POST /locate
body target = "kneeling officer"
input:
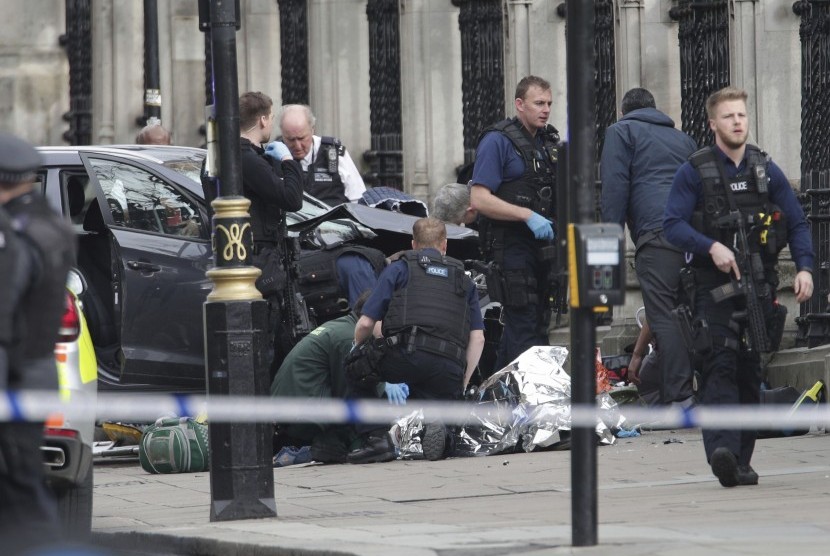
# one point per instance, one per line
(433, 335)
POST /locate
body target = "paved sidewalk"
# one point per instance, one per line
(656, 496)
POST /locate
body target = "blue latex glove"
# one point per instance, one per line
(540, 226)
(397, 393)
(277, 150)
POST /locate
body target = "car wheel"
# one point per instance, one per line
(75, 508)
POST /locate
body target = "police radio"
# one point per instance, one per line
(595, 265)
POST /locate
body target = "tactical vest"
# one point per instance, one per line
(52, 243)
(433, 306)
(535, 188)
(319, 282)
(10, 284)
(323, 178)
(765, 222)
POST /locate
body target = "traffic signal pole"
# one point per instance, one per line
(581, 176)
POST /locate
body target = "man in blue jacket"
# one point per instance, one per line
(641, 154)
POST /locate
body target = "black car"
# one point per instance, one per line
(144, 246)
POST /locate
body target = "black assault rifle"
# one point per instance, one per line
(294, 310)
(556, 288)
(751, 285)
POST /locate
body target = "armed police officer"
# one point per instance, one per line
(732, 210)
(433, 335)
(36, 258)
(512, 189)
(331, 174)
(273, 182)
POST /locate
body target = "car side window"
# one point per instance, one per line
(140, 200)
(76, 197)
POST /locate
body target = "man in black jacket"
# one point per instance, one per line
(32, 296)
(640, 156)
(272, 181)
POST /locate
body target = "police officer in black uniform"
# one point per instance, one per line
(512, 189)
(433, 335)
(716, 185)
(36, 258)
(273, 182)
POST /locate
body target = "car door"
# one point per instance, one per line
(161, 250)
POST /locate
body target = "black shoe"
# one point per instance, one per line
(377, 449)
(434, 441)
(328, 448)
(725, 467)
(747, 476)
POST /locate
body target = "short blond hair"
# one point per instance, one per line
(723, 95)
(429, 232)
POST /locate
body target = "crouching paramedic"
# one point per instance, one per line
(432, 339)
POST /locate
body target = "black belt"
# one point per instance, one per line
(430, 344)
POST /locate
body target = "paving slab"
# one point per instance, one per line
(656, 496)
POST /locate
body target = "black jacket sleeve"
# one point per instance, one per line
(273, 182)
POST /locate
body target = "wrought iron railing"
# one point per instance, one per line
(385, 157)
(481, 23)
(78, 44)
(704, 60)
(814, 31)
(605, 71)
(294, 50)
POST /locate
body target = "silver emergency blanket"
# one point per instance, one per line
(534, 391)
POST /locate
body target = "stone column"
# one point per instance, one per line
(629, 41)
(338, 69)
(744, 56)
(431, 91)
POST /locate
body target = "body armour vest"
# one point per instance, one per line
(12, 260)
(765, 224)
(52, 242)
(434, 300)
(323, 178)
(535, 188)
(319, 282)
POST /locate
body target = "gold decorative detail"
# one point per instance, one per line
(234, 236)
(234, 284)
(231, 207)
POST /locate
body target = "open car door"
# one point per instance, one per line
(160, 250)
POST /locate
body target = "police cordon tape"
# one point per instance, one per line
(34, 405)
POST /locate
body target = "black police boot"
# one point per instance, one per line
(329, 447)
(747, 476)
(725, 467)
(376, 449)
(434, 441)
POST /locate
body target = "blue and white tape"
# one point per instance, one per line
(139, 408)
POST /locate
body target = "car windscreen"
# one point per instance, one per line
(190, 166)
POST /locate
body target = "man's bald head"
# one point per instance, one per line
(154, 134)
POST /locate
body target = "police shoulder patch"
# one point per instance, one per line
(438, 271)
